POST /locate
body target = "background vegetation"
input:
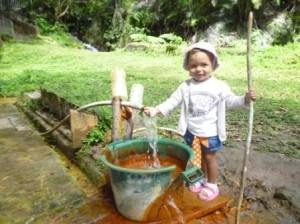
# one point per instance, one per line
(82, 77)
(108, 24)
(147, 39)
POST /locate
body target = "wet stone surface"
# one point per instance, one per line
(10, 119)
(33, 182)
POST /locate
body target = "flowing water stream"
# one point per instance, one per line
(151, 132)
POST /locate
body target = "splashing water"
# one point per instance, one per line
(178, 218)
(151, 131)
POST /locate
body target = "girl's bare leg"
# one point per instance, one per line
(203, 166)
(211, 166)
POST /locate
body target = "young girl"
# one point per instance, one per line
(203, 100)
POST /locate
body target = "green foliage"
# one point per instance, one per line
(47, 28)
(65, 39)
(128, 31)
(44, 26)
(53, 10)
(97, 135)
(136, 37)
(155, 40)
(111, 39)
(164, 44)
(142, 18)
(182, 18)
(281, 29)
(108, 24)
(58, 32)
(261, 38)
(26, 81)
(171, 38)
(257, 3)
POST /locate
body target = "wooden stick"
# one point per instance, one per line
(250, 122)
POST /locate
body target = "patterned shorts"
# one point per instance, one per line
(215, 143)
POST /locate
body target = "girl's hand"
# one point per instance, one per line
(250, 96)
(151, 111)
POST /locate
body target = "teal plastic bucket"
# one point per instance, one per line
(134, 190)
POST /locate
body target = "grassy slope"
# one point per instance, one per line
(82, 77)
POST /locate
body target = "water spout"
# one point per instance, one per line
(151, 132)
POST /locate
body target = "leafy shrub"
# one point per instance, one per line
(171, 38)
(281, 29)
(155, 40)
(97, 135)
(261, 38)
(44, 26)
(58, 32)
(138, 37)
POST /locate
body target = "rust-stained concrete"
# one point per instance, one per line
(33, 181)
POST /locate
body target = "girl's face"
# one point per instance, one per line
(200, 65)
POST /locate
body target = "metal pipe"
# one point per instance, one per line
(91, 105)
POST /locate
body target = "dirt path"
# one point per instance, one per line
(273, 181)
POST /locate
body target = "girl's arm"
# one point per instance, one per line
(233, 101)
(167, 106)
(151, 111)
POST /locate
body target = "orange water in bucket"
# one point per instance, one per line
(142, 161)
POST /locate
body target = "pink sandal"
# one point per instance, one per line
(209, 192)
(198, 186)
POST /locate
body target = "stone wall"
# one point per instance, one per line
(56, 105)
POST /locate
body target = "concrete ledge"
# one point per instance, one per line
(61, 137)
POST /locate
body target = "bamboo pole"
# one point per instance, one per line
(116, 106)
(250, 122)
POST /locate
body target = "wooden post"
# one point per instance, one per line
(116, 107)
(119, 93)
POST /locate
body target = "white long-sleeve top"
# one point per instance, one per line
(203, 106)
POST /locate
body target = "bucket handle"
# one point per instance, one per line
(192, 175)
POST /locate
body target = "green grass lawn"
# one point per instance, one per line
(82, 77)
